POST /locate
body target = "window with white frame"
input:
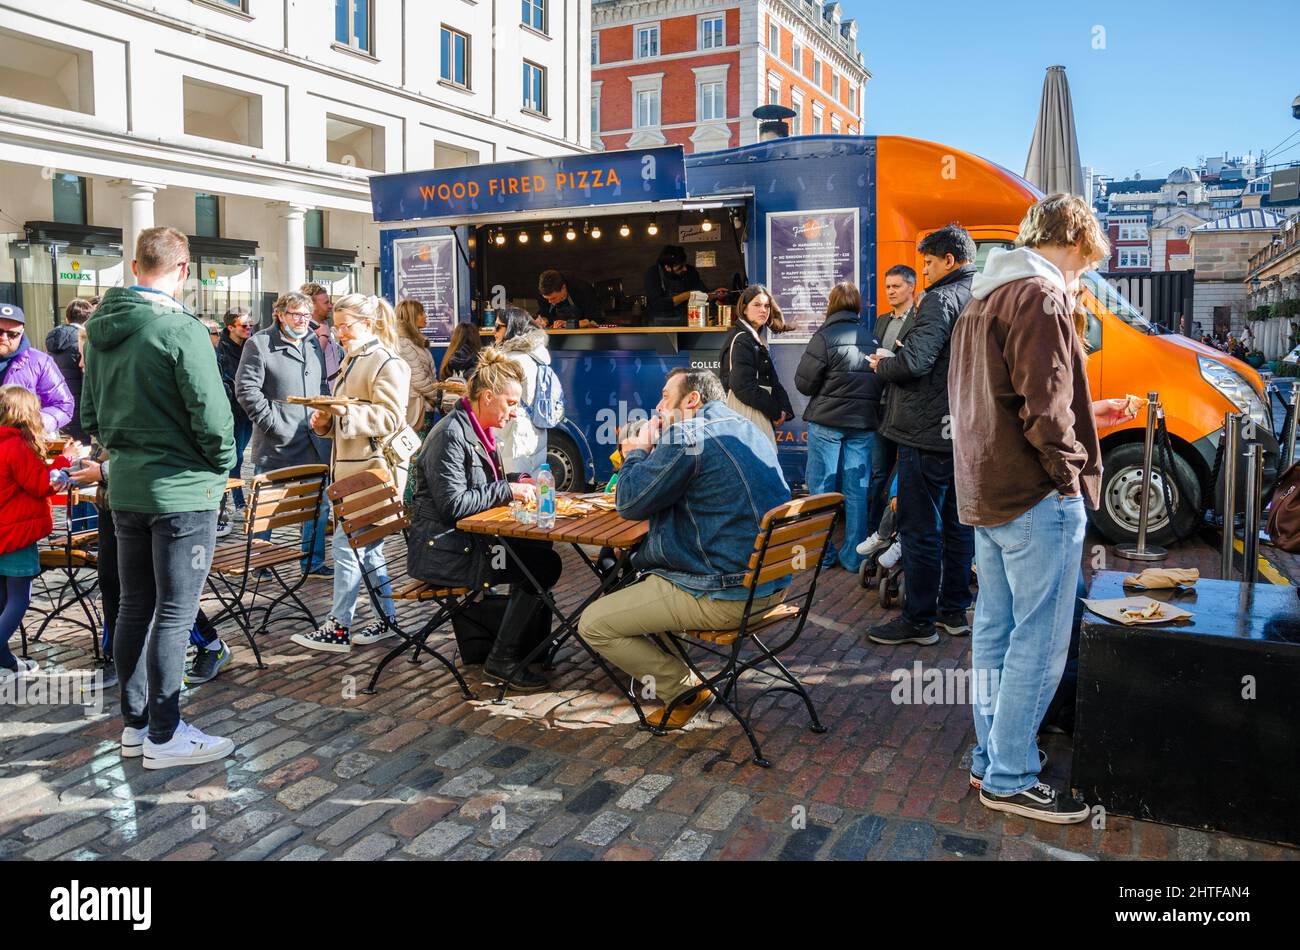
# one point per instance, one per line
(534, 88)
(773, 89)
(817, 119)
(647, 41)
(534, 14)
(853, 98)
(817, 71)
(454, 67)
(835, 86)
(1134, 258)
(712, 101)
(713, 32)
(835, 125)
(646, 109)
(796, 103)
(595, 48)
(774, 37)
(354, 25)
(595, 109)
(796, 54)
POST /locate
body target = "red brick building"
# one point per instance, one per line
(691, 72)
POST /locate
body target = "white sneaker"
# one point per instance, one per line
(188, 746)
(873, 543)
(891, 557)
(224, 528)
(373, 634)
(133, 742)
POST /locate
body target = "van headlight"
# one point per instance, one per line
(1236, 389)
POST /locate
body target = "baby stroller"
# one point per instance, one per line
(882, 564)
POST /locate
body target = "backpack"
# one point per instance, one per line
(546, 411)
(1284, 516)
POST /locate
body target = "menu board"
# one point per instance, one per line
(425, 270)
(809, 252)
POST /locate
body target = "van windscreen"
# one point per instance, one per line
(1114, 301)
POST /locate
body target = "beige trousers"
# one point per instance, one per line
(619, 627)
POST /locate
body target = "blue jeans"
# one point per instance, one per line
(937, 547)
(347, 576)
(163, 561)
(884, 456)
(243, 433)
(839, 461)
(1029, 575)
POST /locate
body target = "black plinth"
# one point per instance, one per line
(1164, 730)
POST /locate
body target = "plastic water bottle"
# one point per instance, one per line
(545, 497)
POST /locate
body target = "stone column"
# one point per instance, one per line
(293, 245)
(137, 207)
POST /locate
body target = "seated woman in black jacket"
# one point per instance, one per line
(842, 414)
(745, 365)
(461, 474)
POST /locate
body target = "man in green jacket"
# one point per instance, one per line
(153, 397)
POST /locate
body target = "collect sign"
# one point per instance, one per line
(655, 174)
(425, 270)
(809, 252)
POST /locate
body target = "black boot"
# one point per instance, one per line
(511, 645)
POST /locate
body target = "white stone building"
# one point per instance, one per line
(253, 125)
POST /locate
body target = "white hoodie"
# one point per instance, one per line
(1005, 266)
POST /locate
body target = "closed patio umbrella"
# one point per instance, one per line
(1053, 164)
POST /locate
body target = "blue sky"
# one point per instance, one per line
(1174, 80)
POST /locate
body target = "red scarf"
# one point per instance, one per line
(484, 437)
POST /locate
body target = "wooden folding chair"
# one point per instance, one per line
(71, 549)
(284, 498)
(791, 542)
(371, 511)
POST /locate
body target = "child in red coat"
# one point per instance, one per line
(26, 484)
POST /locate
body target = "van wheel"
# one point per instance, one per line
(1121, 496)
(566, 462)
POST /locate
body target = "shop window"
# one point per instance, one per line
(46, 73)
(70, 199)
(314, 225)
(207, 215)
(222, 113)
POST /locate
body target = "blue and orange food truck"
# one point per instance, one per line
(796, 214)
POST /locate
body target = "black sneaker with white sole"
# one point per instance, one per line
(374, 633)
(1041, 803)
(953, 623)
(331, 636)
(901, 630)
(976, 781)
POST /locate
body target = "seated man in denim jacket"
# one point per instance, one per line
(704, 488)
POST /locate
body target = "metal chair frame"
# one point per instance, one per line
(371, 511)
(279, 499)
(75, 552)
(790, 536)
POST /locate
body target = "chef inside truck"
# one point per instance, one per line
(566, 303)
(668, 286)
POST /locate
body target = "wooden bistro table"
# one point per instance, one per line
(600, 528)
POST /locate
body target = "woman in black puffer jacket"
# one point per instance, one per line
(842, 413)
(745, 365)
(461, 474)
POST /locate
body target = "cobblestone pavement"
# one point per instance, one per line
(324, 771)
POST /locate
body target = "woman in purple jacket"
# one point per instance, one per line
(21, 365)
